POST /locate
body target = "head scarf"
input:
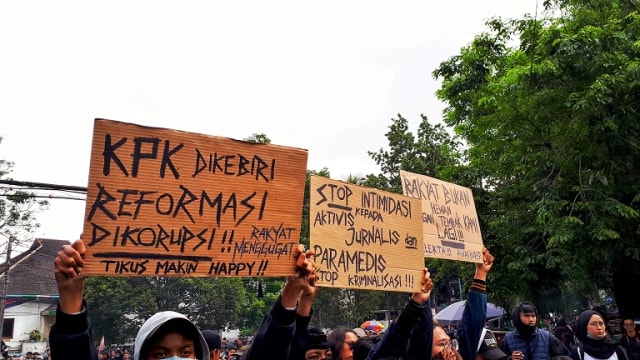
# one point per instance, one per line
(597, 348)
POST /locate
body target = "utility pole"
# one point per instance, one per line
(3, 301)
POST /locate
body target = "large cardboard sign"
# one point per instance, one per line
(449, 219)
(365, 238)
(164, 202)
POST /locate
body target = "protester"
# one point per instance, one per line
(593, 342)
(308, 343)
(364, 345)
(312, 346)
(395, 339)
(564, 333)
(275, 335)
(165, 334)
(214, 343)
(631, 339)
(474, 340)
(341, 341)
(527, 341)
(431, 341)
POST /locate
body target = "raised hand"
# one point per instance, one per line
(485, 266)
(68, 273)
(426, 287)
(302, 281)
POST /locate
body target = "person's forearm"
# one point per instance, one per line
(304, 305)
(289, 296)
(70, 302)
(480, 274)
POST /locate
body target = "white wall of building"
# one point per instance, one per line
(27, 317)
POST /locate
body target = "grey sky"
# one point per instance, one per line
(324, 76)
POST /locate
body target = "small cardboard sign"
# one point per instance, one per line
(364, 238)
(164, 202)
(449, 219)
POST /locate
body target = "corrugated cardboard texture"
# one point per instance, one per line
(163, 202)
(450, 223)
(365, 238)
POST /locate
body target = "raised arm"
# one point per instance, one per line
(70, 337)
(276, 331)
(395, 339)
(475, 312)
(67, 270)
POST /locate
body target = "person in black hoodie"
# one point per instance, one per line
(527, 341)
(166, 334)
(564, 332)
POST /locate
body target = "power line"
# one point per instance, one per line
(44, 186)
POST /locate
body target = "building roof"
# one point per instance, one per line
(31, 273)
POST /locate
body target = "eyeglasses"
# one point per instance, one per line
(351, 344)
(597, 323)
(449, 344)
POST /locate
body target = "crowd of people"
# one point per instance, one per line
(29, 355)
(286, 331)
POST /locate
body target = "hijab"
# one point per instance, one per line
(597, 348)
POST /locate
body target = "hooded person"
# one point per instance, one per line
(527, 341)
(593, 342)
(214, 342)
(161, 324)
(165, 335)
(307, 342)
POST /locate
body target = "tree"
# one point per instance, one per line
(17, 219)
(553, 133)
(18, 209)
(433, 152)
(119, 305)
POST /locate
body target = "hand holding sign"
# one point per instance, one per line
(423, 295)
(67, 270)
(306, 269)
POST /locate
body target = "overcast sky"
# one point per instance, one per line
(323, 76)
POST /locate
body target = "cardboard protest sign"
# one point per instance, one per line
(449, 219)
(164, 202)
(365, 238)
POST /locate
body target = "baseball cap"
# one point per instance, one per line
(488, 346)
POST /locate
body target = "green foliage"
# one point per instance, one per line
(212, 303)
(259, 139)
(552, 130)
(35, 335)
(18, 209)
(433, 152)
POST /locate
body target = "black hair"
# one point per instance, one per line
(364, 345)
(336, 339)
(525, 307)
(523, 329)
